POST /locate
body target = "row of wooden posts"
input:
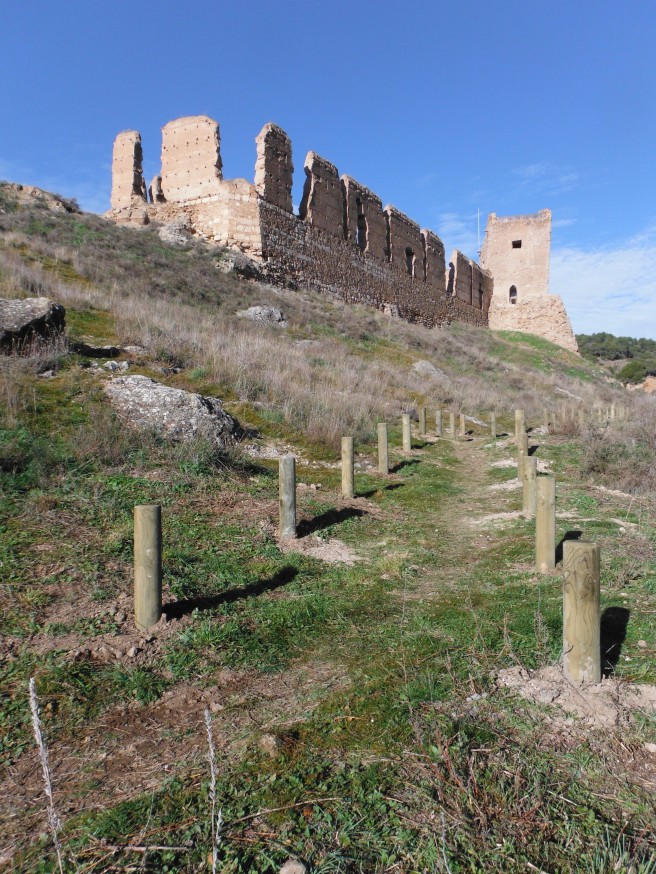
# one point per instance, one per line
(581, 560)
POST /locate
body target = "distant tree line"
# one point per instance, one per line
(640, 354)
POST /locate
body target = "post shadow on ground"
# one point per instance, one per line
(177, 609)
(569, 535)
(420, 444)
(407, 462)
(325, 520)
(614, 621)
(388, 488)
(532, 450)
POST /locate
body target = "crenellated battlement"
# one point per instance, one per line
(342, 242)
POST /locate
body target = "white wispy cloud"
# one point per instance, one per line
(611, 289)
(545, 178)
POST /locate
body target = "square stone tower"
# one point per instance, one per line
(516, 252)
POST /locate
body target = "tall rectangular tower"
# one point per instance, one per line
(516, 252)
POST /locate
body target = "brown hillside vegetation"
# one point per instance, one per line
(384, 692)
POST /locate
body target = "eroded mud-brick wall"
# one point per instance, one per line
(127, 174)
(273, 167)
(191, 159)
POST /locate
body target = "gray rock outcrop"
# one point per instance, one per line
(176, 414)
(242, 265)
(426, 368)
(175, 233)
(265, 314)
(34, 319)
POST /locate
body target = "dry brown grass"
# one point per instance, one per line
(355, 369)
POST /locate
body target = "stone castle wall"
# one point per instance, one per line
(343, 241)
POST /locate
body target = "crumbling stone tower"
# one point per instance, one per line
(516, 252)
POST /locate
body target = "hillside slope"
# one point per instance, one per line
(351, 676)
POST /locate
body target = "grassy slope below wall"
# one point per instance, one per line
(356, 718)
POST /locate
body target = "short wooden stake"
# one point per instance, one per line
(287, 496)
(520, 424)
(493, 425)
(405, 428)
(438, 423)
(581, 620)
(422, 420)
(530, 476)
(383, 453)
(522, 454)
(347, 467)
(452, 426)
(463, 425)
(545, 524)
(147, 565)
(612, 411)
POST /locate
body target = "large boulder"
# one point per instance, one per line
(176, 414)
(29, 321)
(426, 368)
(267, 315)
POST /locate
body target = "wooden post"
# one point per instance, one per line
(463, 426)
(287, 496)
(147, 565)
(422, 420)
(493, 425)
(612, 411)
(452, 426)
(347, 467)
(438, 423)
(522, 454)
(383, 455)
(520, 424)
(545, 525)
(405, 428)
(530, 475)
(581, 620)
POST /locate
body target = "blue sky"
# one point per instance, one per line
(443, 109)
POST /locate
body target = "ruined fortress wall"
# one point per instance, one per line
(274, 168)
(434, 266)
(191, 159)
(322, 205)
(306, 256)
(342, 242)
(543, 316)
(405, 244)
(365, 222)
(127, 174)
